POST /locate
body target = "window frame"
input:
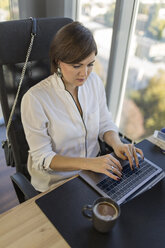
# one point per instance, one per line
(123, 30)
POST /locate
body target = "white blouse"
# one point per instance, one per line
(53, 125)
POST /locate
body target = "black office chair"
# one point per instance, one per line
(14, 42)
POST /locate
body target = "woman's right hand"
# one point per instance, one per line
(105, 164)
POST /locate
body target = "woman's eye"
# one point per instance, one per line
(76, 66)
(90, 65)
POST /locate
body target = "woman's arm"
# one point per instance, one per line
(103, 164)
(109, 132)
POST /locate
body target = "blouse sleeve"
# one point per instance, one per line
(35, 123)
(106, 122)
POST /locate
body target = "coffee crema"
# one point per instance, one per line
(105, 210)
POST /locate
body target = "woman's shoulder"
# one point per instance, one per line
(46, 83)
(42, 87)
(40, 91)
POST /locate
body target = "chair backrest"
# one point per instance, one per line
(14, 41)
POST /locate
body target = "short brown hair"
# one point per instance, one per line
(72, 44)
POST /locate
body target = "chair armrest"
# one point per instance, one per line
(23, 187)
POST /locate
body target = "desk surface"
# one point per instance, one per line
(27, 226)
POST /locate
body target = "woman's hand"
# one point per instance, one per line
(106, 164)
(128, 151)
(123, 151)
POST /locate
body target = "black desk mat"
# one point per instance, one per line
(141, 224)
(152, 152)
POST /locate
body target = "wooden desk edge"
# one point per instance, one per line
(27, 223)
(22, 205)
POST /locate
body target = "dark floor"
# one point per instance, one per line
(8, 198)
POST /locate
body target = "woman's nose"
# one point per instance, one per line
(84, 71)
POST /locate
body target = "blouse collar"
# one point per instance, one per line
(59, 81)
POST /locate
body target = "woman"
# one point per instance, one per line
(66, 114)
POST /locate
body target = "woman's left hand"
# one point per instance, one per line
(128, 151)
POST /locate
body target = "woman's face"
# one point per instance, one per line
(76, 74)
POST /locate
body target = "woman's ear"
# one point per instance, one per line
(59, 72)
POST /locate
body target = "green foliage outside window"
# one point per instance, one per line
(4, 4)
(155, 25)
(5, 8)
(151, 102)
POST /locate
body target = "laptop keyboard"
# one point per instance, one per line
(130, 179)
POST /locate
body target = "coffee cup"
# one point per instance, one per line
(104, 213)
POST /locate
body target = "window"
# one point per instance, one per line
(8, 10)
(134, 74)
(98, 16)
(4, 10)
(143, 108)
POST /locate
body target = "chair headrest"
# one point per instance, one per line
(15, 38)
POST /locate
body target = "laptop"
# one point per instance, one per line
(132, 183)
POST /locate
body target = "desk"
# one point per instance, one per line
(26, 225)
